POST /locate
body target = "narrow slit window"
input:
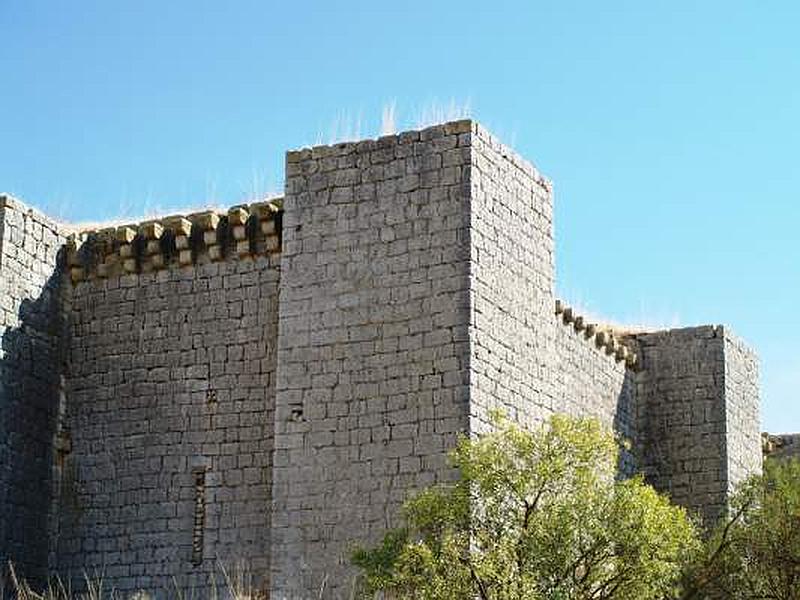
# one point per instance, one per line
(199, 516)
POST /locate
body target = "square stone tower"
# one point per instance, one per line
(417, 294)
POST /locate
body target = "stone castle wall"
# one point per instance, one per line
(171, 401)
(592, 378)
(742, 424)
(698, 411)
(512, 286)
(171, 387)
(527, 360)
(269, 384)
(373, 352)
(31, 358)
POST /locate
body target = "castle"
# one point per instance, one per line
(269, 383)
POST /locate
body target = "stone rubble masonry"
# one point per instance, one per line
(269, 384)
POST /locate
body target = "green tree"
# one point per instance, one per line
(755, 552)
(534, 515)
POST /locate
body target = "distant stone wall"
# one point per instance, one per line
(373, 352)
(171, 387)
(31, 354)
(781, 446)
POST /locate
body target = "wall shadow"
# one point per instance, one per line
(626, 425)
(31, 364)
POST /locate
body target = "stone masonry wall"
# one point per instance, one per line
(373, 344)
(31, 355)
(682, 416)
(525, 359)
(591, 382)
(781, 446)
(269, 384)
(171, 399)
(742, 424)
(511, 286)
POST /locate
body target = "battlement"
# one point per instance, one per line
(177, 240)
(611, 341)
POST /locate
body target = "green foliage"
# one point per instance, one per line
(534, 515)
(755, 553)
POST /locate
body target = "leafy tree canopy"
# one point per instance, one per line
(755, 553)
(535, 514)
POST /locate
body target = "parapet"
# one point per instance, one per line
(607, 339)
(243, 231)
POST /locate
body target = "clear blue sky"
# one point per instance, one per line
(671, 129)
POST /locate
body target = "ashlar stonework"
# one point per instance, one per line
(266, 385)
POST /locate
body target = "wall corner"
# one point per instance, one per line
(742, 414)
(31, 360)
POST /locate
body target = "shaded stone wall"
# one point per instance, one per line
(31, 356)
(171, 397)
(781, 446)
(592, 380)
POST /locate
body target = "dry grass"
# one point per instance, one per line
(389, 119)
(151, 214)
(436, 112)
(347, 127)
(645, 320)
(234, 583)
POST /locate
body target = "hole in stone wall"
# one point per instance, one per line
(138, 246)
(224, 237)
(199, 516)
(296, 413)
(251, 228)
(278, 218)
(63, 446)
(168, 247)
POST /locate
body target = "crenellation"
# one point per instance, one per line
(612, 342)
(178, 240)
(269, 382)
